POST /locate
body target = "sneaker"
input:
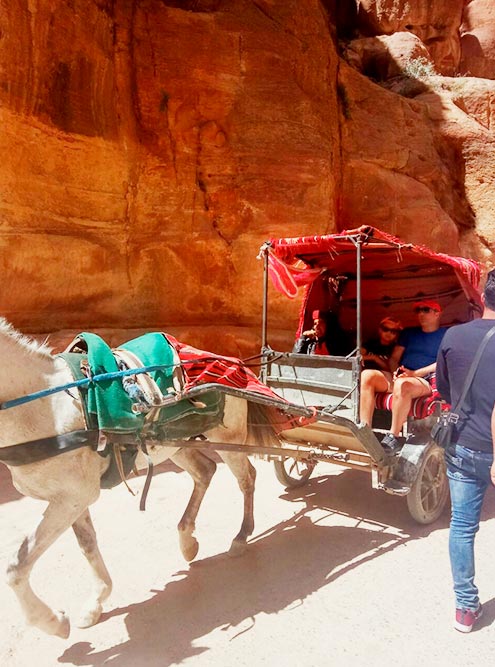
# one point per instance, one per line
(466, 618)
(390, 443)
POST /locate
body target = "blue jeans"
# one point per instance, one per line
(469, 477)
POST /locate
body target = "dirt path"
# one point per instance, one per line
(336, 574)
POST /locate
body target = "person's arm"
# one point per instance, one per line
(381, 362)
(442, 376)
(395, 358)
(492, 469)
(301, 346)
(420, 372)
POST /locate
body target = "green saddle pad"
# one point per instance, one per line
(109, 407)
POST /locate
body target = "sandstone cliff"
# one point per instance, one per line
(149, 147)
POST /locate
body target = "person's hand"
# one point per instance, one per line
(402, 371)
(492, 473)
(311, 333)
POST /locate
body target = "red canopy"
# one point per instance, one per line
(394, 275)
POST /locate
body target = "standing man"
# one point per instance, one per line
(469, 457)
(412, 366)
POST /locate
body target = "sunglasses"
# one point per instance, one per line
(425, 309)
(389, 330)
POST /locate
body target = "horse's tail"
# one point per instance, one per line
(261, 426)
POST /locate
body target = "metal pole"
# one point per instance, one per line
(264, 325)
(265, 301)
(358, 296)
(358, 324)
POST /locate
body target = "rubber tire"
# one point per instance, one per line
(285, 469)
(430, 490)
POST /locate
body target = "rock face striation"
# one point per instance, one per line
(150, 147)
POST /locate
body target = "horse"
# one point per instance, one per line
(70, 481)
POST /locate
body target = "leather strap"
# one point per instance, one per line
(44, 448)
(472, 370)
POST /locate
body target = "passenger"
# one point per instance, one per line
(376, 351)
(325, 337)
(316, 340)
(416, 352)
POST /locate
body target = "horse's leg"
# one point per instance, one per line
(234, 429)
(245, 474)
(57, 518)
(201, 468)
(86, 537)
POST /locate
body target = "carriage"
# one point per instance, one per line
(361, 276)
(62, 447)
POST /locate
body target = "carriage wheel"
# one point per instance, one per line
(430, 490)
(292, 473)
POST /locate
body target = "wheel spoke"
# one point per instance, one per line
(430, 489)
(294, 465)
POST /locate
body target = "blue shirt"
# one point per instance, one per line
(421, 347)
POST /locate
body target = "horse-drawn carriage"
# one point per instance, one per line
(60, 445)
(362, 276)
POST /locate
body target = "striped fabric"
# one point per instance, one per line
(201, 367)
(421, 407)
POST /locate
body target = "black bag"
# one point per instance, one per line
(443, 430)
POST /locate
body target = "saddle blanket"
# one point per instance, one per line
(109, 407)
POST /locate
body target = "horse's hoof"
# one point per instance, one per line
(89, 617)
(58, 625)
(237, 549)
(190, 550)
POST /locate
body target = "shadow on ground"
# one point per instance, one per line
(282, 567)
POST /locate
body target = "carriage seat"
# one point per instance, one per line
(421, 407)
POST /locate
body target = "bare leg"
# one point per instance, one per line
(86, 537)
(201, 468)
(372, 382)
(405, 391)
(245, 474)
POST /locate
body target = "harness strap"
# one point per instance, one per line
(44, 448)
(149, 475)
(148, 386)
(120, 466)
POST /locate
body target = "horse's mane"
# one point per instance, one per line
(30, 345)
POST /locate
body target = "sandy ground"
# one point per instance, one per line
(335, 573)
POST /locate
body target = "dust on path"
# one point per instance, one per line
(336, 573)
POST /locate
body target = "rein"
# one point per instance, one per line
(102, 377)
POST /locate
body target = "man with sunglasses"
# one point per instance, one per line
(412, 371)
(470, 455)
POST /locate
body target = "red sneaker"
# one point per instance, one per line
(466, 618)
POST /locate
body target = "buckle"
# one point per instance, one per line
(102, 442)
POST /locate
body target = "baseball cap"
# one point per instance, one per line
(392, 322)
(428, 303)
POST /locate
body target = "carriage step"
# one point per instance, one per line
(394, 487)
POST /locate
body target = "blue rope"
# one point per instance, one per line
(81, 383)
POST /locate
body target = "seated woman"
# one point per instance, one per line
(318, 340)
(412, 371)
(376, 351)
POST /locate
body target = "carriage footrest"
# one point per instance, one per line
(394, 487)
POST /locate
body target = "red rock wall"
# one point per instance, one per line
(150, 146)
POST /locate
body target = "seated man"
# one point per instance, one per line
(376, 351)
(416, 352)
